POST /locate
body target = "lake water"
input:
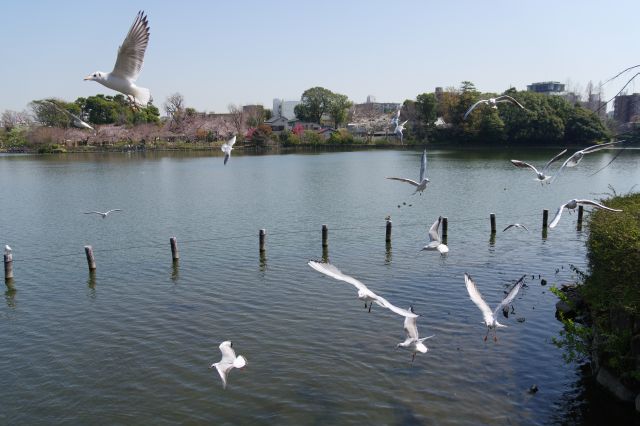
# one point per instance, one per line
(132, 344)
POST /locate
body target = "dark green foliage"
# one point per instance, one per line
(318, 101)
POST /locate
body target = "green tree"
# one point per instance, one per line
(338, 107)
(314, 103)
(584, 126)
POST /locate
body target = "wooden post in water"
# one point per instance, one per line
(175, 254)
(580, 213)
(387, 237)
(492, 217)
(8, 266)
(261, 236)
(445, 228)
(545, 218)
(91, 261)
(325, 236)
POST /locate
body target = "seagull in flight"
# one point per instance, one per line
(364, 293)
(129, 64)
(515, 225)
(103, 214)
(573, 204)
(229, 361)
(491, 318)
(399, 128)
(493, 103)
(75, 120)
(227, 147)
(540, 175)
(413, 342)
(396, 118)
(435, 242)
(421, 185)
(575, 159)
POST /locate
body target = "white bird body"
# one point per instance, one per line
(228, 362)
(492, 102)
(227, 147)
(413, 342)
(103, 214)
(399, 128)
(490, 318)
(364, 294)
(422, 182)
(396, 118)
(540, 174)
(573, 204)
(435, 242)
(129, 64)
(575, 159)
(515, 225)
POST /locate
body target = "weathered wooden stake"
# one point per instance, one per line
(88, 251)
(445, 228)
(261, 235)
(545, 218)
(492, 217)
(388, 233)
(580, 213)
(8, 267)
(325, 235)
(175, 254)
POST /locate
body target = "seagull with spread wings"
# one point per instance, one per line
(573, 204)
(413, 342)
(227, 147)
(435, 242)
(103, 214)
(575, 159)
(421, 185)
(228, 362)
(491, 317)
(364, 293)
(129, 64)
(540, 175)
(493, 103)
(75, 120)
(515, 225)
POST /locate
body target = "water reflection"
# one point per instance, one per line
(388, 257)
(10, 294)
(175, 271)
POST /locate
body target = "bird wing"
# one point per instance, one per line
(228, 354)
(423, 165)
(443, 248)
(556, 219)
(222, 371)
(386, 304)
(569, 162)
(231, 141)
(411, 181)
(114, 210)
(508, 226)
(525, 228)
(131, 52)
(552, 160)
(510, 296)
(239, 362)
(523, 165)
(507, 98)
(330, 270)
(476, 297)
(433, 231)
(598, 205)
(482, 101)
(411, 328)
(594, 148)
(94, 212)
(226, 157)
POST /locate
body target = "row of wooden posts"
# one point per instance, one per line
(262, 234)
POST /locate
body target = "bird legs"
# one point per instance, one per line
(495, 336)
(413, 356)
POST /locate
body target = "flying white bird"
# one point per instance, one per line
(492, 102)
(399, 128)
(491, 318)
(435, 242)
(227, 147)
(103, 214)
(364, 293)
(421, 185)
(229, 360)
(129, 64)
(575, 159)
(573, 204)
(75, 120)
(515, 225)
(396, 118)
(540, 175)
(413, 342)
(7, 250)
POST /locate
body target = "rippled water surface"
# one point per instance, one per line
(133, 343)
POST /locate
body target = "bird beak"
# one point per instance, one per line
(89, 77)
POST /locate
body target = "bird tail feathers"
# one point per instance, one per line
(142, 95)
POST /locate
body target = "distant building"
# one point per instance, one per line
(626, 108)
(286, 109)
(546, 87)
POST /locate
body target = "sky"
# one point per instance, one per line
(249, 52)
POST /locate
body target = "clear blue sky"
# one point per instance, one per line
(242, 51)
